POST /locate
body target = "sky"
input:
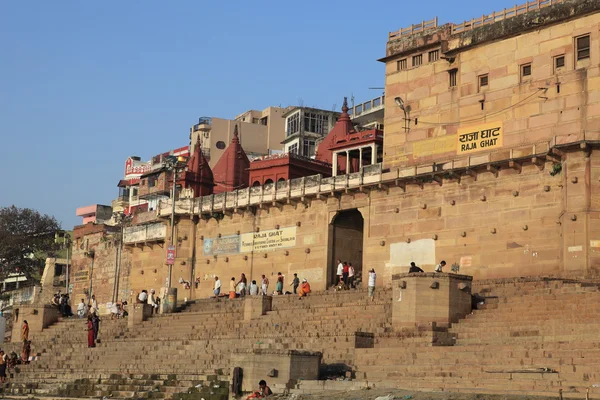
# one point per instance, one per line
(86, 84)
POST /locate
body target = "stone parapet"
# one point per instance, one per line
(256, 306)
(430, 299)
(277, 367)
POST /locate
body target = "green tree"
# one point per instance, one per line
(26, 239)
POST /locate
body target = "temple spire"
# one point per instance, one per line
(235, 138)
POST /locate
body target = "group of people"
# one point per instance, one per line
(240, 288)
(62, 301)
(150, 298)
(346, 275)
(414, 268)
(11, 360)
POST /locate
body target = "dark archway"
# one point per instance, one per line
(256, 183)
(269, 182)
(281, 180)
(345, 242)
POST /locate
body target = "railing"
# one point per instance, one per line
(202, 121)
(279, 191)
(416, 28)
(504, 14)
(370, 106)
(144, 233)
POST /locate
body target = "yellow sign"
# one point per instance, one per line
(479, 138)
(81, 276)
(437, 145)
(268, 240)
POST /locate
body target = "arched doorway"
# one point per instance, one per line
(345, 242)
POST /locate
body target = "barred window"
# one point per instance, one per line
(316, 123)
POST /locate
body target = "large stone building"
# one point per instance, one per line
(488, 162)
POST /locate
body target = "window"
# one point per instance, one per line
(264, 121)
(483, 81)
(434, 55)
(220, 145)
(293, 149)
(452, 77)
(402, 64)
(583, 47)
(525, 70)
(417, 60)
(316, 123)
(308, 148)
(559, 62)
(151, 181)
(293, 124)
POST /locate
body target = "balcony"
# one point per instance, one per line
(204, 124)
(369, 111)
(144, 233)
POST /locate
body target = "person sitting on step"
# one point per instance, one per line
(304, 289)
(263, 391)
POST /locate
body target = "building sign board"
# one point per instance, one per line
(222, 245)
(471, 139)
(268, 240)
(171, 255)
(248, 242)
(81, 276)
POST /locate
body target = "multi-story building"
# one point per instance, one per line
(259, 133)
(130, 199)
(305, 127)
(370, 114)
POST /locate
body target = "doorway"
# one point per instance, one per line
(345, 242)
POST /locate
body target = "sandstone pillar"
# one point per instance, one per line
(138, 313)
(38, 318)
(256, 306)
(421, 299)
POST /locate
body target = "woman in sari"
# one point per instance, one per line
(25, 331)
(26, 351)
(90, 331)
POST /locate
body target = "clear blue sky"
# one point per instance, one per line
(85, 84)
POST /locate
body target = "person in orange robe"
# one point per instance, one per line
(304, 288)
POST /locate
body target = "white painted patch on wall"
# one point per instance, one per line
(574, 249)
(422, 252)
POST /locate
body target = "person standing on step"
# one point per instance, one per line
(265, 285)
(217, 289)
(26, 351)
(94, 307)
(351, 273)
(372, 279)
(2, 367)
(25, 331)
(95, 325)
(345, 274)
(340, 272)
(295, 283)
(90, 331)
(232, 288)
(279, 287)
(243, 284)
(82, 309)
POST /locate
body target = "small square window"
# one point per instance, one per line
(525, 70)
(583, 47)
(402, 64)
(559, 62)
(417, 60)
(434, 55)
(483, 81)
(452, 74)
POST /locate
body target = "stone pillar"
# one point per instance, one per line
(423, 299)
(256, 306)
(347, 162)
(360, 162)
(138, 313)
(38, 318)
(334, 164)
(373, 154)
(169, 303)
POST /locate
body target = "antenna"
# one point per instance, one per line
(352, 100)
(376, 88)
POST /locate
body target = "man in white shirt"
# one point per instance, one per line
(340, 272)
(372, 278)
(94, 309)
(440, 266)
(217, 289)
(152, 302)
(143, 297)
